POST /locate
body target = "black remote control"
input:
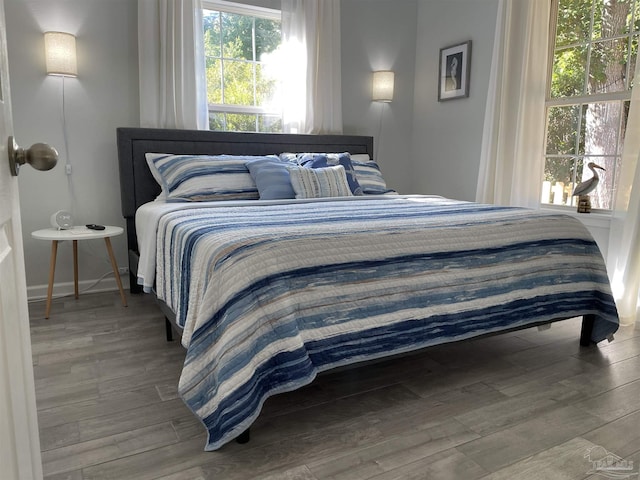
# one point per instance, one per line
(93, 226)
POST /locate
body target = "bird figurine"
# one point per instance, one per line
(583, 189)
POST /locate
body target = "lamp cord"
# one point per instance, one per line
(83, 290)
(66, 152)
(378, 149)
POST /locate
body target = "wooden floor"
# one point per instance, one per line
(526, 405)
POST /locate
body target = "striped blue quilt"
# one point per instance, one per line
(270, 295)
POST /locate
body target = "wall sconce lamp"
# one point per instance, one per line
(60, 54)
(382, 90)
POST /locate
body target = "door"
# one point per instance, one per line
(19, 441)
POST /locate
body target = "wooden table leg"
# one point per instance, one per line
(75, 268)
(52, 273)
(116, 273)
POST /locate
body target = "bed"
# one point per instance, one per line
(268, 291)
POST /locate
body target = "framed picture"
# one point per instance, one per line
(455, 62)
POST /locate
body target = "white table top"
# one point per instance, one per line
(76, 233)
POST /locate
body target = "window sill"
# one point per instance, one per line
(594, 219)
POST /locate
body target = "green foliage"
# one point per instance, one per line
(234, 45)
(601, 35)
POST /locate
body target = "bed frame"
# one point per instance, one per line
(138, 185)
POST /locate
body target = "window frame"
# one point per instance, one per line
(584, 99)
(225, 108)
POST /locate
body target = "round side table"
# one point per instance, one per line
(75, 234)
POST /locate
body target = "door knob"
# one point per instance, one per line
(39, 155)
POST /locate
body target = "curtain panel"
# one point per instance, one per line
(171, 64)
(512, 152)
(623, 260)
(311, 36)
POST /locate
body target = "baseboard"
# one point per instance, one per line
(61, 289)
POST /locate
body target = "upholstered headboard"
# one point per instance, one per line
(137, 185)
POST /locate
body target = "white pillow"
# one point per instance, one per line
(319, 182)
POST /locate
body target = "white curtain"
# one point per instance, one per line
(512, 155)
(171, 64)
(624, 240)
(311, 46)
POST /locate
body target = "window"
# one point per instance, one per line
(595, 47)
(241, 87)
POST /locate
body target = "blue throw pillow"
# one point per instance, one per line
(321, 160)
(272, 178)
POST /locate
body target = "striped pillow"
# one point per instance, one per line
(319, 182)
(367, 172)
(370, 178)
(322, 160)
(199, 178)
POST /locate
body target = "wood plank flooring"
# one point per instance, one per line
(525, 405)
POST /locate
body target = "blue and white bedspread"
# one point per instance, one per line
(271, 294)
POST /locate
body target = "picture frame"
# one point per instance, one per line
(454, 71)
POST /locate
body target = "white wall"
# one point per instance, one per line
(103, 97)
(447, 135)
(380, 35)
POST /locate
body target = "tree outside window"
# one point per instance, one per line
(240, 91)
(591, 75)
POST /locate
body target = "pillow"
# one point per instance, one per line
(360, 157)
(324, 160)
(198, 178)
(367, 172)
(370, 178)
(319, 182)
(290, 157)
(272, 178)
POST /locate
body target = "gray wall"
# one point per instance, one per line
(447, 135)
(103, 97)
(380, 35)
(423, 146)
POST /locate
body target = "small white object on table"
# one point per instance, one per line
(75, 234)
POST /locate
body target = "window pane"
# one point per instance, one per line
(595, 53)
(623, 126)
(608, 66)
(559, 178)
(268, 36)
(216, 121)
(562, 129)
(234, 75)
(212, 37)
(238, 83)
(600, 128)
(634, 59)
(611, 18)
(214, 80)
(269, 124)
(265, 86)
(568, 72)
(574, 19)
(241, 122)
(237, 36)
(634, 19)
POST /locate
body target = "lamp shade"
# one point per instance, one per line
(382, 90)
(60, 54)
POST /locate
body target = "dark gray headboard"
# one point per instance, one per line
(137, 185)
